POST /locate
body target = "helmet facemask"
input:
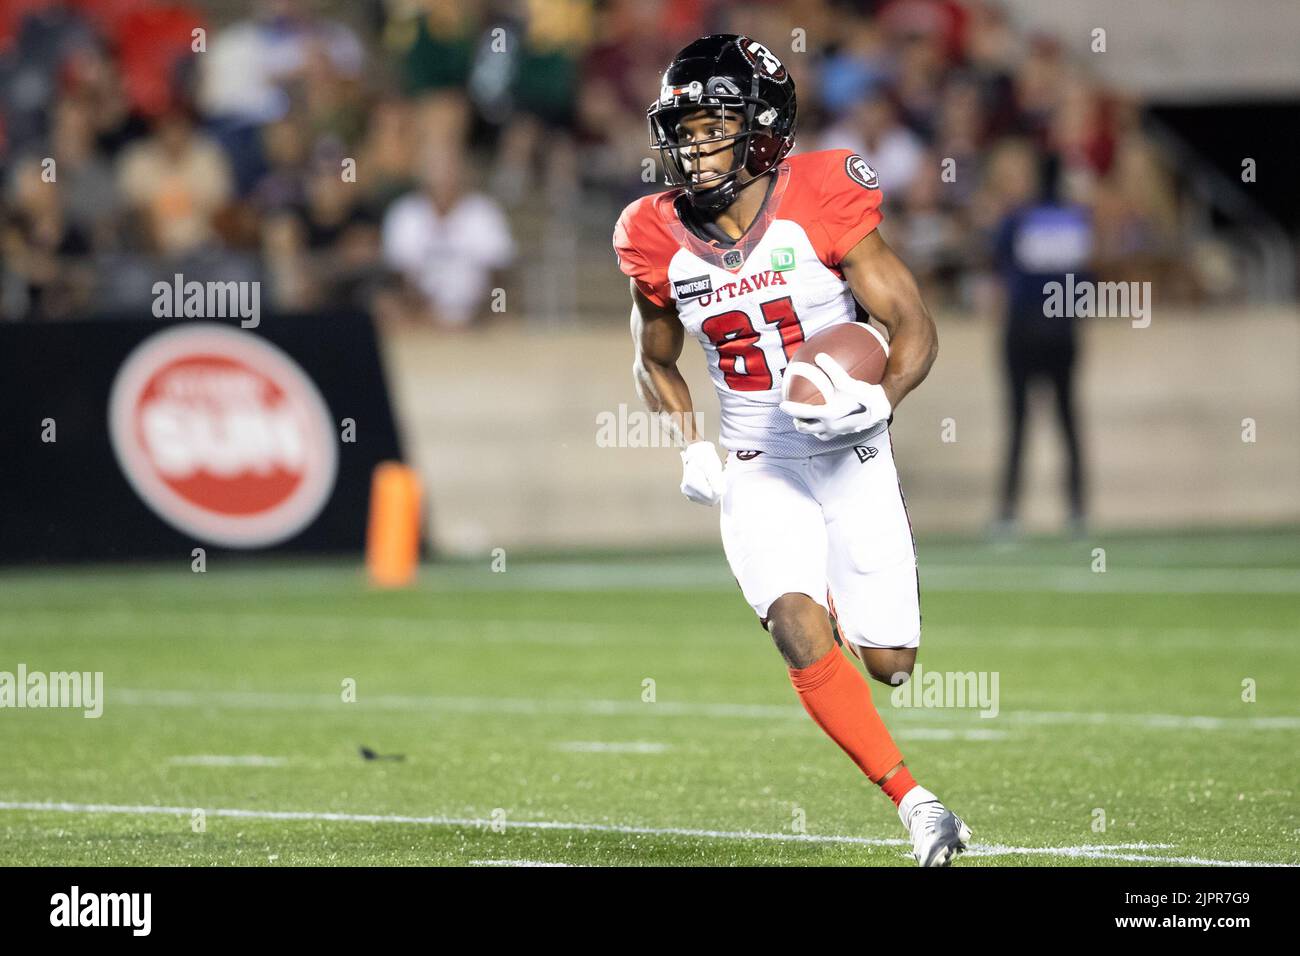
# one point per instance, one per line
(714, 190)
(721, 74)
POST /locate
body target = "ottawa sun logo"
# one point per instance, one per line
(223, 435)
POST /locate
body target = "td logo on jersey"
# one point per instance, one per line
(782, 259)
(222, 435)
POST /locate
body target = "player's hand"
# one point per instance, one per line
(853, 406)
(702, 473)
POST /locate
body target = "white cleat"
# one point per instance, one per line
(938, 834)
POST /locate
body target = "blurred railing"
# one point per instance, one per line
(1263, 249)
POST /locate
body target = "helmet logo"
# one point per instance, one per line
(763, 58)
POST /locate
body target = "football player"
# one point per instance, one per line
(753, 252)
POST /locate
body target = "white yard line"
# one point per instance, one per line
(266, 700)
(271, 700)
(582, 576)
(948, 733)
(612, 747)
(125, 624)
(1110, 853)
(1091, 851)
(228, 760)
(514, 863)
(1051, 636)
(1115, 580)
(1134, 567)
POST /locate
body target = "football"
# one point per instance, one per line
(858, 347)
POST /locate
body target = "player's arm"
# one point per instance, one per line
(658, 334)
(887, 289)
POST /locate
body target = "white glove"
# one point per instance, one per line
(701, 473)
(853, 406)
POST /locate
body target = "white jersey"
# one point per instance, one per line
(752, 303)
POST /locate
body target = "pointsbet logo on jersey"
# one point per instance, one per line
(222, 435)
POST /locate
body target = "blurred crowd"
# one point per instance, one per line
(386, 154)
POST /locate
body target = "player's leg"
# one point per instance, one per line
(800, 629)
(774, 534)
(775, 542)
(834, 693)
(871, 568)
(889, 665)
(871, 557)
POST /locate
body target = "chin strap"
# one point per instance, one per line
(718, 198)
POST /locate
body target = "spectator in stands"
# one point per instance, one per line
(40, 47)
(960, 137)
(560, 107)
(45, 273)
(1137, 217)
(176, 180)
(855, 69)
(86, 185)
(282, 58)
(620, 75)
(928, 235)
(283, 184)
(538, 133)
(154, 44)
(386, 157)
(434, 41)
(322, 247)
(918, 83)
(446, 243)
(254, 64)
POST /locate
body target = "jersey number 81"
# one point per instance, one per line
(743, 363)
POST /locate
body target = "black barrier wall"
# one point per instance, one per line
(129, 439)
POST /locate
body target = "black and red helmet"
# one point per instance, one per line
(729, 73)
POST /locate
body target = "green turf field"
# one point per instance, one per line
(516, 700)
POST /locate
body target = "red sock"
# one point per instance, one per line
(897, 786)
(838, 698)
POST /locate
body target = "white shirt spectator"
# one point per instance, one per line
(448, 257)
